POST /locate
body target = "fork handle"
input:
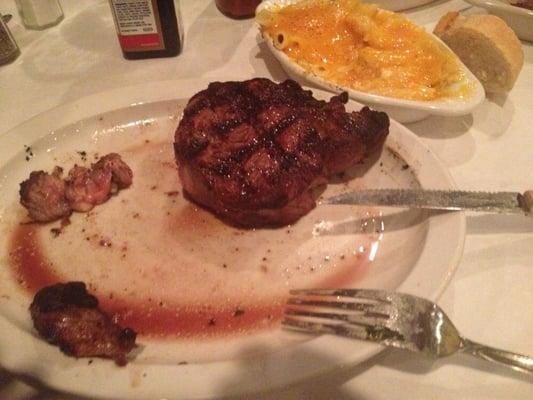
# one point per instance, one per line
(518, 362)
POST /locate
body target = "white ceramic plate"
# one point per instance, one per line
(399, 5)
(519, 19)
(165, 251)
(404, 111)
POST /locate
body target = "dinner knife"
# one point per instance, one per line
(500, 202)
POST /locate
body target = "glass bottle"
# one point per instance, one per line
(238, 9)
(39, 14)
(148, 28)
(8, 47)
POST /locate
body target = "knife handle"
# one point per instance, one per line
(527, 201)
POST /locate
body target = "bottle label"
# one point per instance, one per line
(138, 25)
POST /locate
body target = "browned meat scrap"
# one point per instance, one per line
(121, 174)
(67, 316)
(252, 151)
(48, 197)
(43, 195)
(87, 188)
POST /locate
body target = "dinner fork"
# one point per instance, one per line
(389, 318)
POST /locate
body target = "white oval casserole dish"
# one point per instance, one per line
(402, 110)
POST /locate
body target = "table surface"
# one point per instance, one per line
(490, 297)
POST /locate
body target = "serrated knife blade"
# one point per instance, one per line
(500, 202)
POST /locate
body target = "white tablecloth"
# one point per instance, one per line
(490, 298)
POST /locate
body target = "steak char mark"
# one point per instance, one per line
(253, 151)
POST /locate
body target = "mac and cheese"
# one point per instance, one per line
(359, 46)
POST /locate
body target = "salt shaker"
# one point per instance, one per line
(8, 47)
(40, 14)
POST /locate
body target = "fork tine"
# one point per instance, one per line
(352, 306)
(376, 334)
(368, 319)
(368, 294)
(357, 332)
(379, 334)
(316, 314)
(308, 326)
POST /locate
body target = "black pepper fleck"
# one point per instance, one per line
(105, 243)
(55, 232)
(83, 155)
(237, 312)
(29, 152)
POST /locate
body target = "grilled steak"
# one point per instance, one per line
(66, 315)
(252, 151)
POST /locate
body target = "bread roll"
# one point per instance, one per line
(486, 45)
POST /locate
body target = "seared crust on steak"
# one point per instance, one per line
(252, 151)
(66, 315)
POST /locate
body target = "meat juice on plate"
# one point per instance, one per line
(165, 266)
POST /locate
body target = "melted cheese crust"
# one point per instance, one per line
(364, 48)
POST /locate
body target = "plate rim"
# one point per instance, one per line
(411, 4)
(260, 375)
(497, 5)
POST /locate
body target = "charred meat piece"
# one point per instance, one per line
(43, 195)
(67, 316)
(252, 151)
(87, 188)
(49, 197)
(121, 173)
